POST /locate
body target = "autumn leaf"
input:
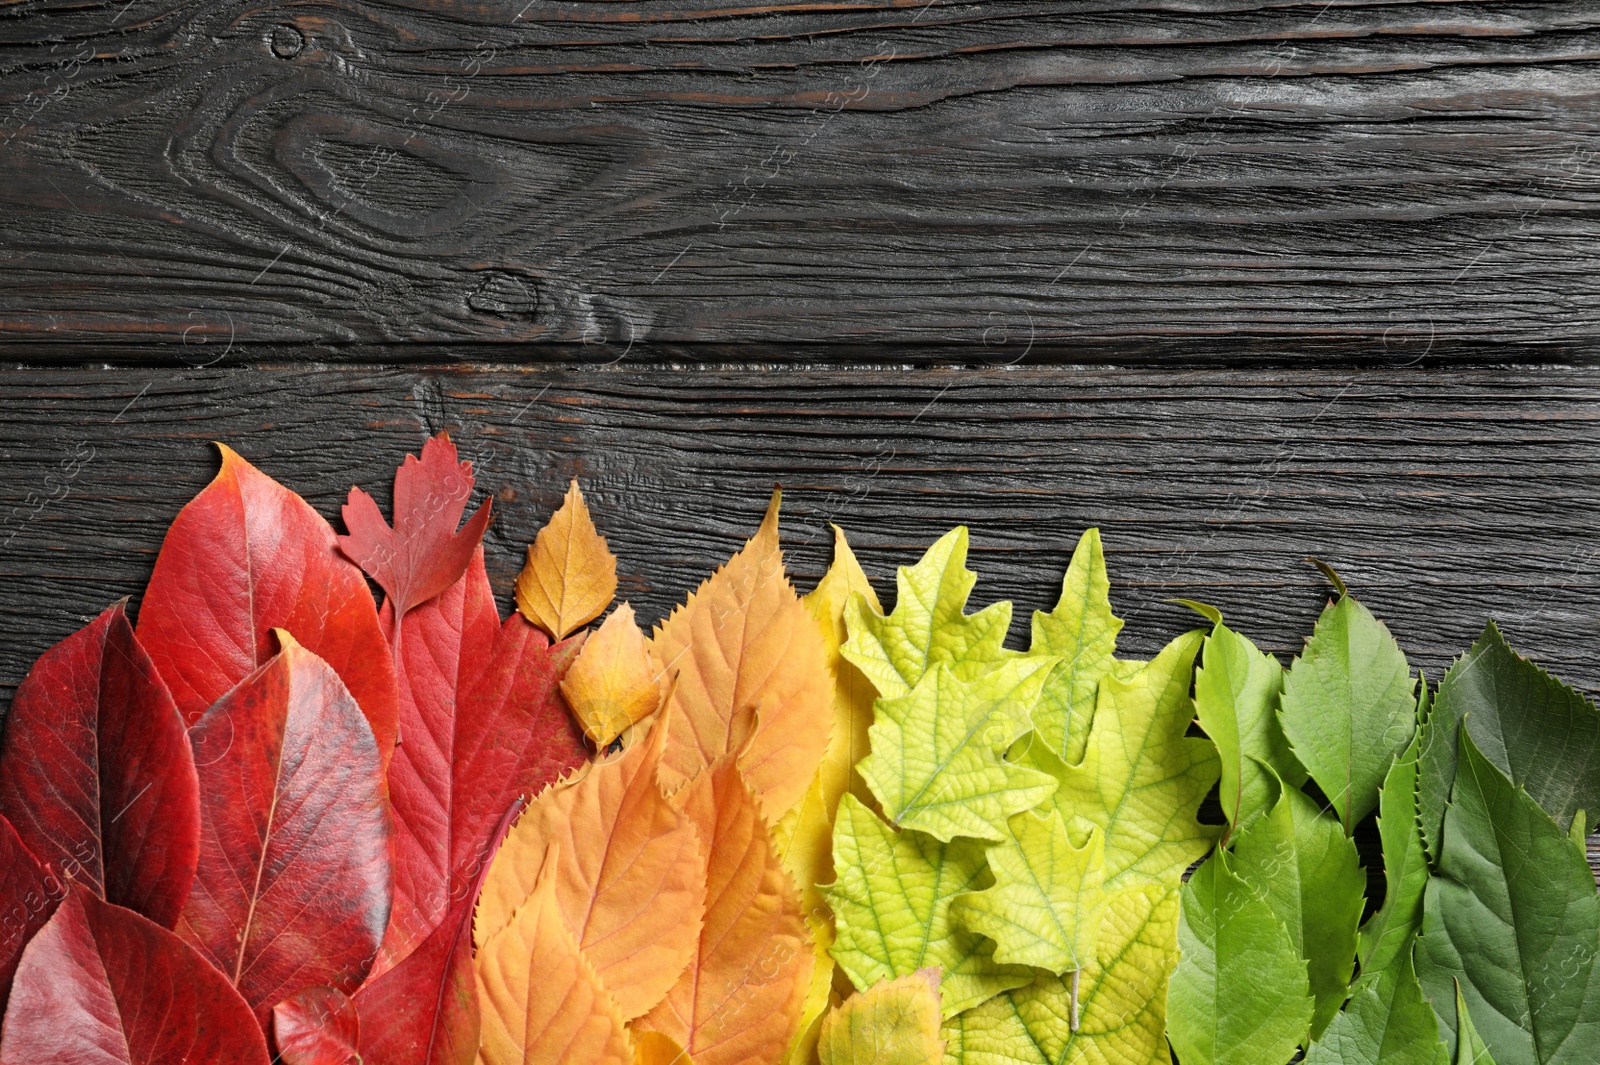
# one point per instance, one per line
(424, 553)
(613, 684)
(96, 775)
(247, 556)
(292, 884)
(1082, 633)
(895, 1022)
(102, 984)
(571, 575)
(653, 1048)
(631, 883)
(316, 1026)
(747, 656)
(28, 897)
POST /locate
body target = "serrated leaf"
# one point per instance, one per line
(928, 626)
(571, 575)
(1388, 934)
(613, 683)
(891, 1023)
(937, 760)
(1349, 706)
(1513, 916)
(1387, 1022)
(1532, 727)
(1082, 632)
(1122, 999)
(891, 906)
(1047, 901)
(1239, 995)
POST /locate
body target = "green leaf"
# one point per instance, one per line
(1513, 916)
(1142, 778)
(1535, 729)
(927, 626)
(1301, 864)
(891, 905)
(1236, 692)
(1082, 632)
(1239, 995)
(1469, 1044)
(936, 763)
(1046, 904)
(1387, 1022)
(1388, 934)
(1349, 707)
(1121, 999)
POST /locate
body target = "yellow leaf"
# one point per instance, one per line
(613, 683)
(570, 575)
(747, 657)
(653, 1048)
(631, 883)
(895, 1022)
(541, 1002)
(738, 1002)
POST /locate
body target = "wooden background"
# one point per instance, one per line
(1239, 282)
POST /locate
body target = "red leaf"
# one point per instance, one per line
(316, 1026)
(96, 775)
(28, 896)
(247, 556)
(101, 985)
(424, 553)
(292, 887)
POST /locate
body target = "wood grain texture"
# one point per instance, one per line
(1324, 176)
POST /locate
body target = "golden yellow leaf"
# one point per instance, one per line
(653, 1048)
(747, 656)
(613, 683)
(631, 883)
(541, 1002)
(895, 1022)
(570, 575)
(738, 1002)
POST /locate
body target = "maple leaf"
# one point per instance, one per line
(748, 659)
(895, 1022)
(738, 1000)
(542, 1003)
(631, 882)
(892, 904)
(424, 553)
(316, 1026)
(613, 684)
(1082, 633)
(571, 575)
(928, 626)
(96, 775)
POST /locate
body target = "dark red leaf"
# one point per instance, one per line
(424, 553)
(292, 887)
(316, 1026)
(101, 985)
(96, 774)
(247, 556)
(28, 896)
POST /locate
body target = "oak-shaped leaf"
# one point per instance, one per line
(571, 575)
(895, 1022)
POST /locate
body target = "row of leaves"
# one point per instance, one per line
(311, 794)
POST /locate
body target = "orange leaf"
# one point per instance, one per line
(614, 682)
(571, 575)
(631, 883)
(542, 1003)
(738, 1002)
(653, 1048)
(747, 653)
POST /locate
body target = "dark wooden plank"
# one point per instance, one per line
(1341, 176)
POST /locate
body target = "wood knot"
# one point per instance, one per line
(505, 295)
(286, 41)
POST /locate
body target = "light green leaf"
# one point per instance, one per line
(1388, 934)
(1469, 1044)
(1046, 904)
(1082, 632)
(1579, 833)
(936, 763)
(1535, 729)
(1387, 1022)
(1348, 707)
(1239, 995)
(891, 905)
(1299, 862)
(1513, 916)
(1122, 999)
(927, 626)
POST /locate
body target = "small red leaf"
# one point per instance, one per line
(292, 887)
(28, 896)
(100, 985)
(316, 1026)
(247, 556)
(424, 553)
(96, 774)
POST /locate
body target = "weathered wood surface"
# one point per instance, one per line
(1339, 176)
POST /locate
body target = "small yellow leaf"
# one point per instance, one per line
(852, 691)
(895, 1022)
(571, 575)
(613, 683)
(653, 1048)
